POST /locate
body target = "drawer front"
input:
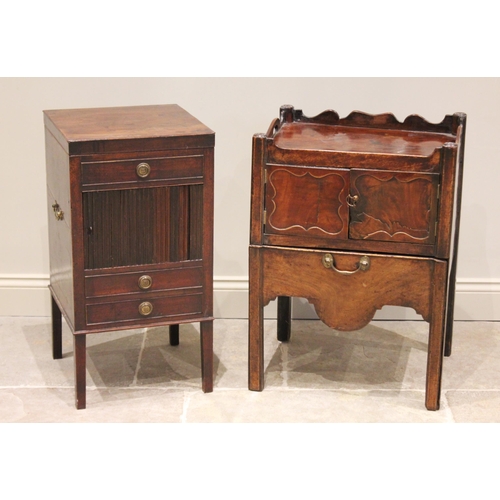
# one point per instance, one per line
(145, 309)
(146, 282)
(142, 171)
(347, 288)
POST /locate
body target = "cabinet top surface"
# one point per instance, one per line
(131, 123)
(309, 136)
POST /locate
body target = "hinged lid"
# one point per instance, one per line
(132, 128)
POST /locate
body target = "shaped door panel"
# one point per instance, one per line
(307, 201)
(393, 206)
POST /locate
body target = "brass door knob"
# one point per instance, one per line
(145, 308)
(143, 170)
(145, 282)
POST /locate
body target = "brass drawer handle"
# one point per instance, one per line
(145, 308)
(143, 170)
(363, 264)
(58, 213)
(145, 282)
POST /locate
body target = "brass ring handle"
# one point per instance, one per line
(58, 213)
(145, 308)
(145, 282)
(352, 200)
(143, 170)
(363, 264)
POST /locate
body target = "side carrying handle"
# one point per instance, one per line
(58, 213)
(363, 264)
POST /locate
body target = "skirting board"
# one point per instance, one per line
(476, 300)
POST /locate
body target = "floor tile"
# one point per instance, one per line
(376, 374)
(44, 405)
(312, 406)
(474, 406)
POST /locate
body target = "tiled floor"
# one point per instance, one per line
(374, 375)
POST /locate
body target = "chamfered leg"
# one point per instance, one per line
(56, 330)
(255, 323)
(207, 355)
(173, 333)
(284, 318)
(80, 370)
(436, 338)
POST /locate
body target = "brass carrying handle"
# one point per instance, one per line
(58, 213)
(143, 170)
(363, 264)
(145, 308)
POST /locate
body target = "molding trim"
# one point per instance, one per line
(476, 299)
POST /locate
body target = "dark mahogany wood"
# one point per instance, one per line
(207, 355)
(80, 354)
(365, 188)
(130, 223)
(56, 330)
(383, 209)
(129, 128)
(173, 333)
(284, 318)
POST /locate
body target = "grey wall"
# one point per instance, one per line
(236, 108)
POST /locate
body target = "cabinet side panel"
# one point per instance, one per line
(60, 246)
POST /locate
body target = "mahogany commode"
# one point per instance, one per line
(354, 214)
(130, 194)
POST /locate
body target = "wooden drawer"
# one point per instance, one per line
(347, 288)
(143, 282)
(175, 307)
(143, 171)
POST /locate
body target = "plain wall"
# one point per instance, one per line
(237, 108)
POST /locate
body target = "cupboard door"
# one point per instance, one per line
(307, 201)
(393, 206)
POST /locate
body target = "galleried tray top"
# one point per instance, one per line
(323, 137)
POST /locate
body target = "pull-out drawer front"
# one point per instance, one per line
(347, 288)
(307, 201)
(142, 170)
(174, 307)
(145, 282)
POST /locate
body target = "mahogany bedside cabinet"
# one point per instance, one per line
(130, 193)
(354, 214)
